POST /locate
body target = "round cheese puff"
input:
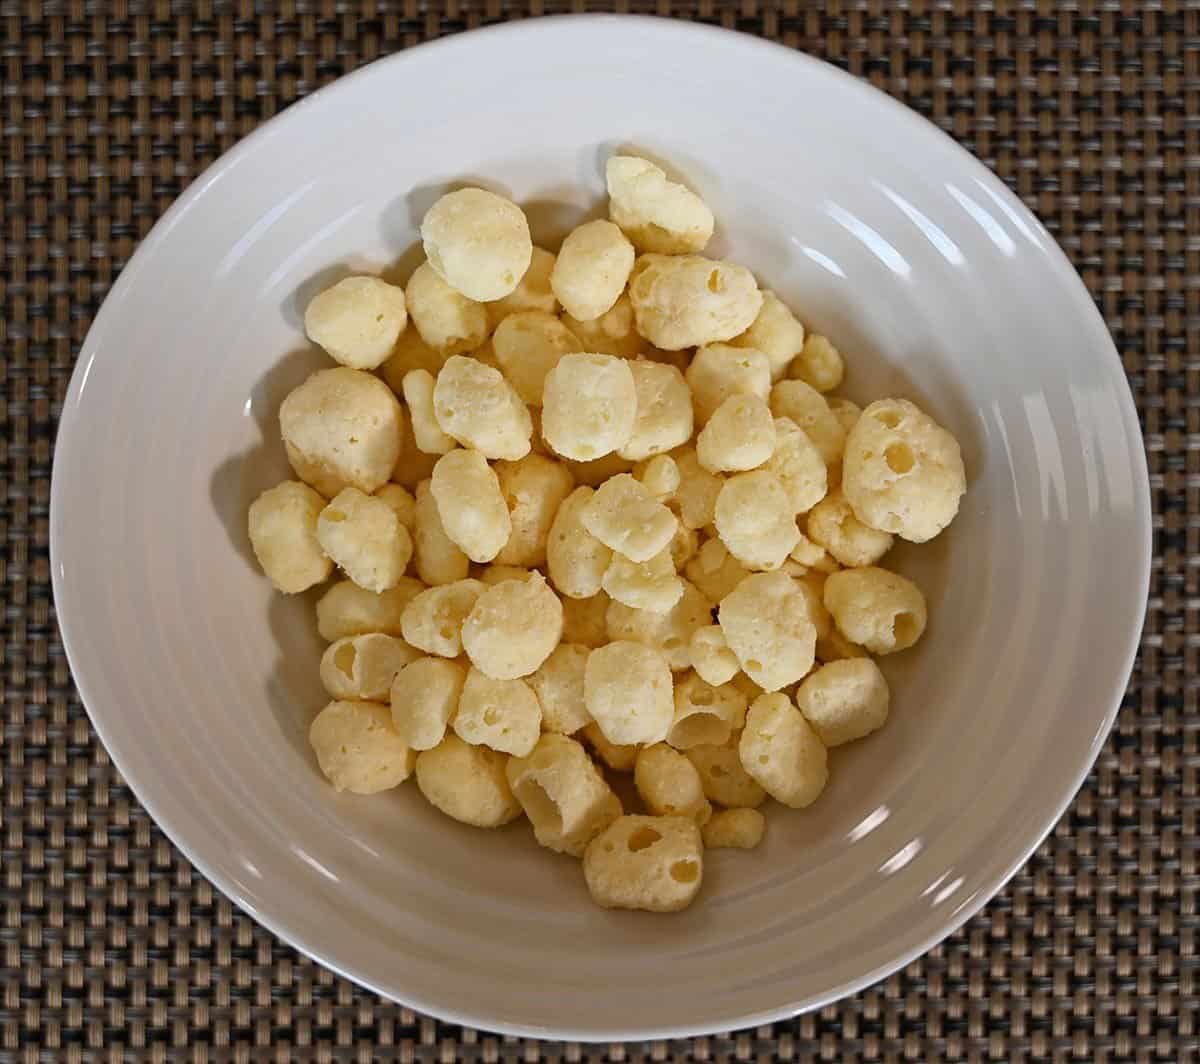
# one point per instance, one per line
(723, 777)
(315, 474)
(401, 503)
(809, 554)
(467, 783)
(846, 411)
(767, 625)
(650, 585)
(813, 591)
(283, 532)
(754, 519)
(417, 388)
(558, 684)
(819, 364)
(804, 405)
(696, 497)
(566, 799)
(433, 620)
(669, 785)
(575, 559)
(664, 411)
(684, 545)
(903, 472)
(477, 242)
(836, 647)
(714, 570)
(592, 269)
(413, 465)
(584, 620)
(528, 345)
(613, 333)
(625, 517)
(618, 757)
(734, 829)
(363, 535)
(705, 715)
(502, 714)
(627, 687)
(669, 631)
(657, 214)
(533, 292)
(357, 748)
(783, 753)
(347, 609)
(345, 423)
(478, 407)
(687, 301)
(448, 321)
(596, 471)
(470, 504)
(534, 489)
(513, 628)
(877, 609)
(357, 320)
(776, 333)
(798, 465)
(831, 524)
(438, 558)
(739, 436)
(410, 353)
(645, 862)
(844, 700)
(589, 406)
(424, 700)
(719, 371)
(709, 654)
(364, 666)
(659, 475)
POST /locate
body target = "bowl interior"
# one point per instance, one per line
(936, 284)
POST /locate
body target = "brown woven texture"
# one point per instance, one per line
(113, 948)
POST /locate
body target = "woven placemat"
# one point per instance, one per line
(113, 948)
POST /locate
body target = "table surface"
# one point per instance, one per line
(113, 948)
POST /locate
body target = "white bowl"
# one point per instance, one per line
(935, 281)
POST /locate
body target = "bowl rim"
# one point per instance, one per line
(414, 997)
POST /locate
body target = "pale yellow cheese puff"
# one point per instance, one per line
(669, 631)
(513, 628)
(283, 533)
(780, 750)
(558, 684)
(664, 411)
(705, 715)
(477, 242)
(877, 609)
(417, 388)
(347, 609)
(447, 320)
(528, 345)
(470, 504)
(719, 371)
(644, 862)
(844, 700)
(696, 497)
(576, 560)
(832, 525)
(687, 301)
(627, 687)
(364, 666)
(467, 783)
(669, 785)
(754, 519)
(776, 333)
(657, 214)
(734, 829)
(363, 535)
(798, 465)
(709, 654)
(592, 269)
(589, 406)
(424, 700)
(502, 714)
(714, 570)
(613, 333)
(357, 748)
(739, 436)
(534, 489)
(438, 559)
(624, 516)
(649, 585)
(478, 407)
(723, 777)
(804, 405)
(767, 625)
(532, 292)
(433, 620)
(819, 364)
(357, 320)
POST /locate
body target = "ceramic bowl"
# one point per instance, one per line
(931, 277)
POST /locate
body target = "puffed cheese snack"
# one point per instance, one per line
(903, 472)
(433, 620)
(696, 497)
(783, 753)
(798, 465)
(776, 333)
(819, 364)
(357, 748)
(364, 666)
(283, 533)
(592, 269)
(734, 829)
(528, 345)
(575, 559)
(448, 321)
(470, 504)
(357, 321)
(589, 406)
(844, 700)
(807, 408)
(467, 783)
(558, 685)
(723, 777)
(877, 609)
(502, 714)
(618, 757)
(664, 411)
(649, 585)
(363, 535)
(755, 520)
(342, 425)
(627, 519)
(719, 371)
(659, 476)
(656, 214)
(402, 504)
(613, 333)
(845, 410)
(705, 715)
(566, 799)
(687, 300)
(413, 465)
(532, 291)
(438, 559)
(669, 785)
(714, 570)
(347, 609)
(739, 436)
(424, 699)
(513, 628)
(477, 242)
(478, 407)
(417, 388)
(534, 489)
(627, 688)
(832, 524)
(669, 631)
(410, 352)
(709, 654)
(767, 625)
(645, 862)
